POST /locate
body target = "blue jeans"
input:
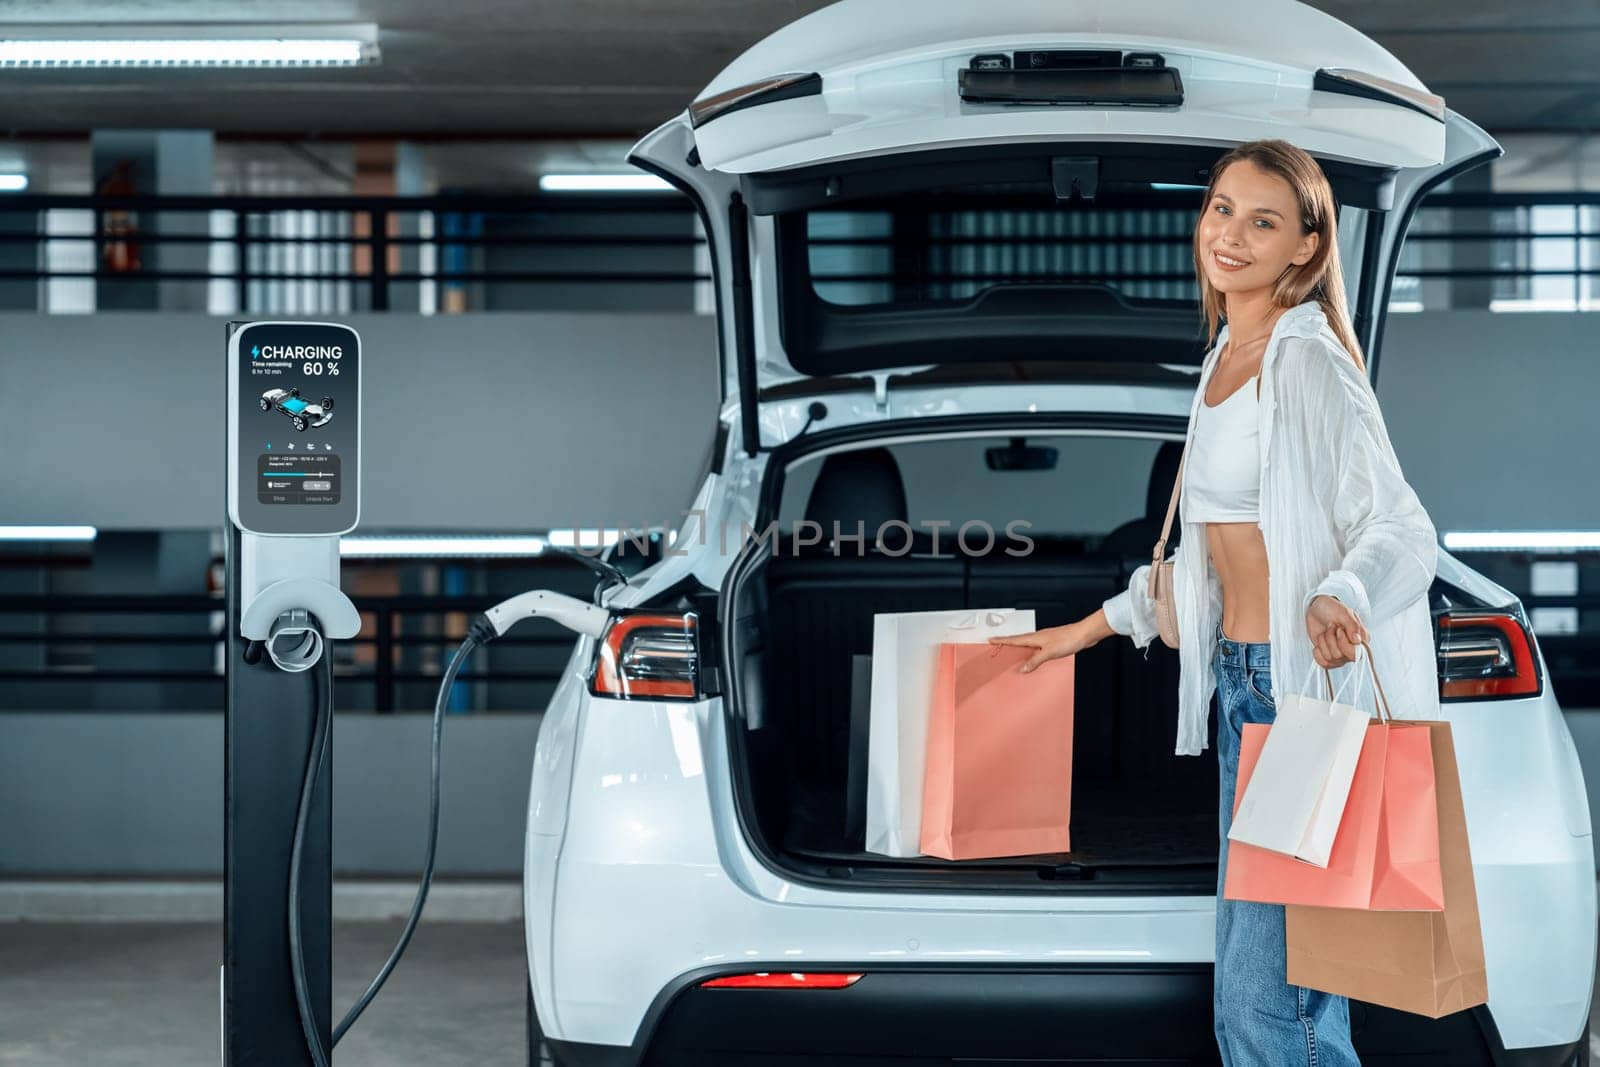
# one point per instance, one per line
(1261, 1020)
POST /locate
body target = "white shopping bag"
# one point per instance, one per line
(1301, 783)
(905, 648)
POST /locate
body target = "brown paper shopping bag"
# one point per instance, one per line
(1427, 962)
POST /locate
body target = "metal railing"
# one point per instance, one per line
(1573, 660)
(376, 241)
(381, 633)
(448, 242)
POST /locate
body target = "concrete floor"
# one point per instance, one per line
(141, 994)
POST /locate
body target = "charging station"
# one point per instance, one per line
(293, 487)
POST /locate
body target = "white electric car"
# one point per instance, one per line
(953, 279)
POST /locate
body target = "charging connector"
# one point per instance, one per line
(294, 643)
(574, 614)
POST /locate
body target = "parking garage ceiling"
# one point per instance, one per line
(617, 68)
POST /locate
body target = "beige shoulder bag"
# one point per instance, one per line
(1160, 586)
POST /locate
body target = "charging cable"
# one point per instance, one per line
(291, 657)
(322, 721)
(295, 644)
(466, 649)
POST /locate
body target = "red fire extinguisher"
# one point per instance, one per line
(119, 250)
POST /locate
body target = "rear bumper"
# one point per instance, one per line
(916, 1016)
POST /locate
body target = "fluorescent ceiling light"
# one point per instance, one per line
(588, 538)
(475, 546)
(375, 547)
(47, 533)
(1524, 540)
(603, 183)
(13, 183)
(189, 45)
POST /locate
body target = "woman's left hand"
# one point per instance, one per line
(1335, 631)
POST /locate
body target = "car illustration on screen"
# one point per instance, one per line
(302, 412)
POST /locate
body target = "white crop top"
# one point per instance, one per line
(1222, 475)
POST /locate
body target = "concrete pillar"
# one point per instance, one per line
(19, 294)
(154, 162)
(375, 176)
(152, 562)
(410, 179)
(1470, 255)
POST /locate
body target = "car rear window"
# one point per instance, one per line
(950, 245)
(985, 262)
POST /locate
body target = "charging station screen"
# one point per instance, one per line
(297, 401)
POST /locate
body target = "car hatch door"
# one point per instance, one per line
(1467, 146)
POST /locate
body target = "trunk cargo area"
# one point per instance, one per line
(1140, 813)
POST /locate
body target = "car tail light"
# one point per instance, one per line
(774, 980)
(652, 657)
(1485, 654)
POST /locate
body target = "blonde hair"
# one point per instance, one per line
(1320, 277)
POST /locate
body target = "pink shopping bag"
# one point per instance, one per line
(1386, 853)
(998, 779)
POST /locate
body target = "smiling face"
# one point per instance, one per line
(1250, 230)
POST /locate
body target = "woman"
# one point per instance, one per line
(1288, 461)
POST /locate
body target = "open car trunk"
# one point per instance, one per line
(1142, 817)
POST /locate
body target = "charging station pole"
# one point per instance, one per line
(267, 731)
(293, 488)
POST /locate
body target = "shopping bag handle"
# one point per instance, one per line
(977, 619)
(1333, 691)
(1384, 713)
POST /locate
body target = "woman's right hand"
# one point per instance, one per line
(1055, 642)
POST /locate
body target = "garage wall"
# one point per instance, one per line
(1484, 409)
(502, 420)
(129, 793)
(488, 421)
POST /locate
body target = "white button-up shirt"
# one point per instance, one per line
(1338, 519)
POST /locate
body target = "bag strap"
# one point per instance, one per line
(1160, 550)
(1167, 525)
(1172, 507)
